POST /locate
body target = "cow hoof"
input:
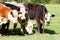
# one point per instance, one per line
(22, 33)
(13, 33)
(0, 34)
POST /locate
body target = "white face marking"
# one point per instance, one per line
(23, 11)
(47, 18)
(29, 27)
(22, 16)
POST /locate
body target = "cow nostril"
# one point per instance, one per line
(22, 18)
(48, 22)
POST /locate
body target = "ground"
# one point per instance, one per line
(52, 32)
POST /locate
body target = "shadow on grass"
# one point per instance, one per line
(17, 31)
(11, 32)
(51, 32)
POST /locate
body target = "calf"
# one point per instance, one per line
(39, 13)
(7, 15)
(20, 8)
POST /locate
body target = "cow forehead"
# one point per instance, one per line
(23, 9)
(48, 15)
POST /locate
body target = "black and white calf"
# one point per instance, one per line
(40, 14)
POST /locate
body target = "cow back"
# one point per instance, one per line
(4, 11)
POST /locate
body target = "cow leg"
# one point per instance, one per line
(15, 24)
(22, 29)
(3, 29)
(7, 24)
(40, 26)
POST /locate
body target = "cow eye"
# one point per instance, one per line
(26, 9)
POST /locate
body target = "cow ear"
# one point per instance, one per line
(52, 15)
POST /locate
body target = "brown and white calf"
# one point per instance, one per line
(7, 15)
(22, 17)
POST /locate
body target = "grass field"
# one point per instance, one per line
(52, 32)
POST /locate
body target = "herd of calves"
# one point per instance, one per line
(22, 13)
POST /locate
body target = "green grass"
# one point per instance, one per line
(52, 32)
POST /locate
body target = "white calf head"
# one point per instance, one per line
(22, 12)
(29, 27)
(48, 18)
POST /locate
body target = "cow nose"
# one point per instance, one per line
(23, 18)
(48, 23)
